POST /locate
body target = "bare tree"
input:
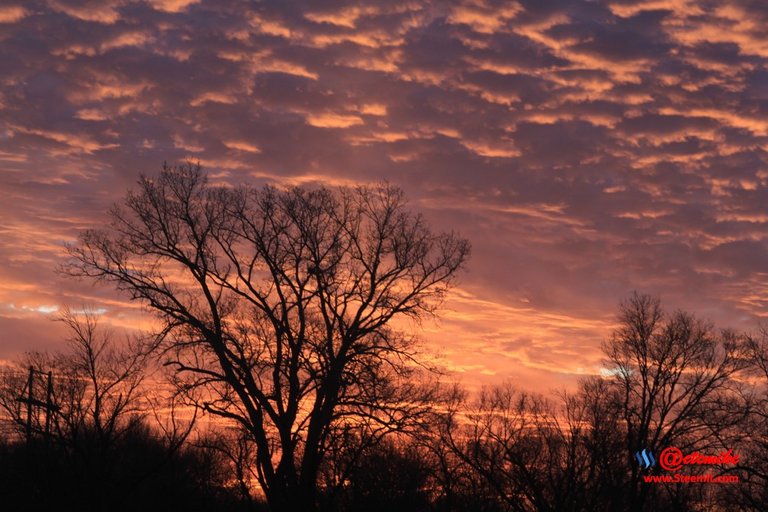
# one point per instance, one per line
(234, 446)
(277, 306)
(530, 454)
(103, 378)
(96, 383)
(677, 383)
(672, 380)
(486, 436)
(752, 491)
(88, 402)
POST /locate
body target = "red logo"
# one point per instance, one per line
(672, 459)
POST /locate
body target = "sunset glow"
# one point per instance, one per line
(586, 149)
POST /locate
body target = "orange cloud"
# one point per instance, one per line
(333, 120)
(172, 5)
(12, 13)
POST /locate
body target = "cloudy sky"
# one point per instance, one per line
(586, 148)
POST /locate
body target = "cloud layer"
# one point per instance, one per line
(586, 148)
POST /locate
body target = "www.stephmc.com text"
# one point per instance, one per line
(677, 478)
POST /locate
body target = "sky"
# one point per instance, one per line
(586, 148)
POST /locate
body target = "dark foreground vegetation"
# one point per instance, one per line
(276, 382)
(136, 472)
(673, 380)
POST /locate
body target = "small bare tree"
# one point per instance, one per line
(93, 405)
(489, 436)
(277, 306)
(752, 491)
(677, 379)
(96, 384)
(528, 454)
(102, 379)
(673, 381)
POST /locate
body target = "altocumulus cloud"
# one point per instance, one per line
(587, 148)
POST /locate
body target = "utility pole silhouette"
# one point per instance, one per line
(30, 397)
(31, 402)
(48, 406)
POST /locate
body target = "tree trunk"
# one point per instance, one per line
(292, 498)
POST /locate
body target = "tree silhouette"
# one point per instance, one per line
(277, 306)
(528, 454)
(677, 384)
(96, 387)
(752, 493)
(671, 380)
(95, 447)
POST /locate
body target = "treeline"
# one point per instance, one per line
(136, 470)
(104, 441)
(275, 311)
(85, 430)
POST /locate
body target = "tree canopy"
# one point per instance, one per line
(277, 306)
